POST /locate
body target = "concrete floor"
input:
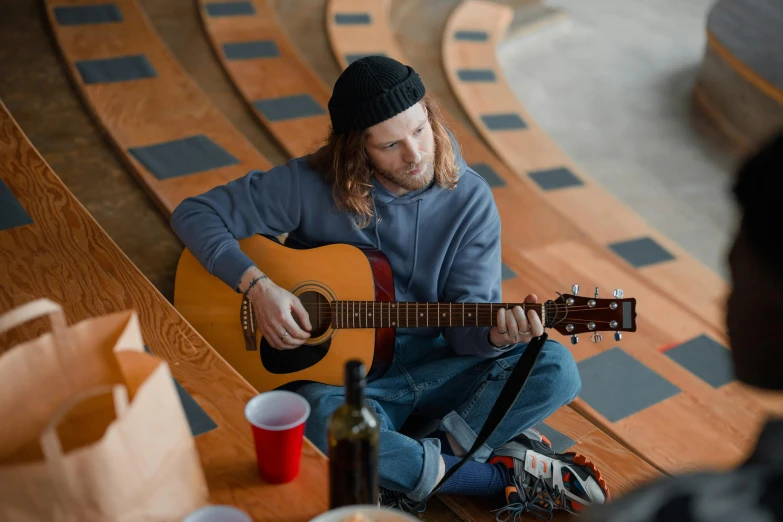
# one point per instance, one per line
(611, 83)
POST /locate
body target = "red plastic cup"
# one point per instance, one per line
(277, 419)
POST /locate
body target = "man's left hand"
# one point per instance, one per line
(513, 326)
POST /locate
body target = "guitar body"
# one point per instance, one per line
(317, 276)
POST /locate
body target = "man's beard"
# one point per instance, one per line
(408, 182)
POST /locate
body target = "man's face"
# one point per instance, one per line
(753, 309)
(402, 151)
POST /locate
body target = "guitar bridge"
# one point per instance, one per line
(248, 323)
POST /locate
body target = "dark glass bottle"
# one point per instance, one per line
(353, 445)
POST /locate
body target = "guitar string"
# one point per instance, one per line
(378, 304)
(346, 316)
(432, 305)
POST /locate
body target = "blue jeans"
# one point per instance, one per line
(427, 378)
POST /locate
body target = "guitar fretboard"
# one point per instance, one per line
(373, 314)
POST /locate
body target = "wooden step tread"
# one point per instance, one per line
(662, 389)
(282, 91)
(159, 121)
(55, 249)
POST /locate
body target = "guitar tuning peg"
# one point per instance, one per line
(575, 289)
(618, 293)
(618, 336)
(574, 339)
(596, 292)
(596, 338)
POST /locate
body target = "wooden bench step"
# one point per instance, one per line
(54, 248)
(159, 121)
(282, 91)
(663, 389)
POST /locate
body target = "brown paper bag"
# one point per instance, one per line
(91, 426)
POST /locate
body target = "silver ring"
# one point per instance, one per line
(501, 332)
(525, 333)
(283, 336)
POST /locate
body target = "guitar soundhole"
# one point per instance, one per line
(319, 312)
(298, 359)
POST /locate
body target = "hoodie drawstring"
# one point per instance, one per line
(415, 247)
(377, 218)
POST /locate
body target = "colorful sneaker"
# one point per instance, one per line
(397, 500)
(543, 481)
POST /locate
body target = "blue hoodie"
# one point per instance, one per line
(443, 245)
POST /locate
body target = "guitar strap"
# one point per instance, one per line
(506, 399)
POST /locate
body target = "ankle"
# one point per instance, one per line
(458, 450)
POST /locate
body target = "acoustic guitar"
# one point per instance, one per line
(348, 293)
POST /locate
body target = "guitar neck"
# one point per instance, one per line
(373, 314)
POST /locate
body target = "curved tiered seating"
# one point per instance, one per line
(652, 383)
(51, 247)
(473, 30)
(740, 82)
(165, 128)
(284, 93)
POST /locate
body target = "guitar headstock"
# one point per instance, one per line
(572, 314)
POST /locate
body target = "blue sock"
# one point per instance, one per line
(445, 445)
(475, 478)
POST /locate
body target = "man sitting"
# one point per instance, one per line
(390, 177)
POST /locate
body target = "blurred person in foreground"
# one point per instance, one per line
(753, 492)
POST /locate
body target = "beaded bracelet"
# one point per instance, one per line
(253, 283)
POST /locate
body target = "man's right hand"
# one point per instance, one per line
(274, 309)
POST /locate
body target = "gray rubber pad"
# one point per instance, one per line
(476, 75)
(618, 386)
(489, 174)
(289, 107)
(176, 158)
(560, 442)
(641, 252)
(251, 50)
(352, 19)
(230, 9)
(706, 358)
(552, 179)
(471, 36)
(88, 14)
(119, 69)
(12, 213)
(500, 122)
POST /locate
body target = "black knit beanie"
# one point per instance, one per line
(371, 90)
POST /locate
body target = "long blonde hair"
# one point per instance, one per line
(343, 161)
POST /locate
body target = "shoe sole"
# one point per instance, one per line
(577, 459)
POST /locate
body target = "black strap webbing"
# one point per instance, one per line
(506, 399)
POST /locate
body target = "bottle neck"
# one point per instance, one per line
(354, 395)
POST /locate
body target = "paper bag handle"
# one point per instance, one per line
(50, 442)
(34, 310)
